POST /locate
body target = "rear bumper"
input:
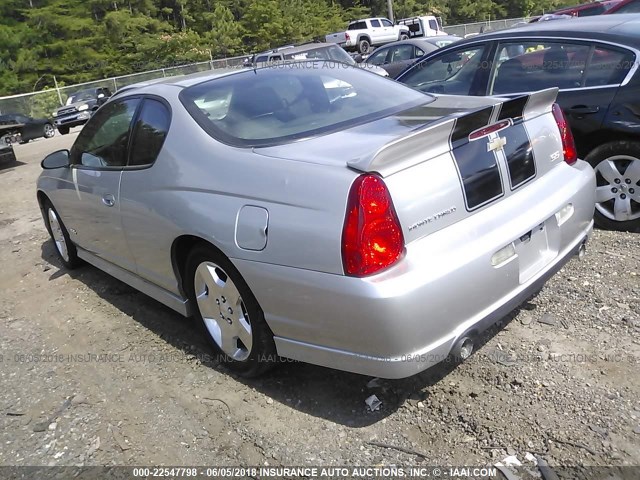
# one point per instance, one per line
(409, 317)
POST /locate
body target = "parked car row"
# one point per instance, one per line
(323, 213)
(305, 210)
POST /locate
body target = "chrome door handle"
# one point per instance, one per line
(109, 200)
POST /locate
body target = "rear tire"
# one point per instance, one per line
(65, 250)
(48, 131)
(63, 130)
(228, 313)
(364, 47)
(617, 167)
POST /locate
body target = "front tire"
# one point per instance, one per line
(63, 130)
(228, 313)
(48, 130)
(364, 46)
(403, 36)
(65, 250)
(617, 167)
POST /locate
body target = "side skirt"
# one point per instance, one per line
(177, 303)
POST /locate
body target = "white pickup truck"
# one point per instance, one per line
(368, 32)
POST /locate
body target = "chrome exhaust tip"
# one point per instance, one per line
(582, 250)
(463, 348)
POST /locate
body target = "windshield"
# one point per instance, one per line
(80, 96)
(286, 102)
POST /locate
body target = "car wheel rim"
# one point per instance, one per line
(58, 235)
(223, 311)
(618, 188)
(48, 131)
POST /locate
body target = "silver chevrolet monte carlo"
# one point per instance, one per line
(323, 213)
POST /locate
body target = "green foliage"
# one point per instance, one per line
(84, 40)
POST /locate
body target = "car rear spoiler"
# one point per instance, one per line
(439, 137)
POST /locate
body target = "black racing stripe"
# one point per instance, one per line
(479, 173)
(519, 153)
(469, 123)
(513, 109)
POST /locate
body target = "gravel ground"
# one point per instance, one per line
(122, 380)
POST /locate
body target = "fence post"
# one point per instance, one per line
(55, 82)
(163, 73)
(115, 85)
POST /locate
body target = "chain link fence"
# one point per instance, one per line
(482, 27)
(41, 104)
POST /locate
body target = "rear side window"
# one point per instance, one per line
(588, 12)
(537, 65)
(608, 67)
(275, 105)
(357, 26)
(149, 132)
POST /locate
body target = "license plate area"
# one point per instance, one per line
(533, 251)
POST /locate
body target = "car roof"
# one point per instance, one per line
(585, 6)
(180, 80)
(297, 49)
(624, 29)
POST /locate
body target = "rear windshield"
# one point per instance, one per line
(331, 52)
(80, 96)
(287, 102)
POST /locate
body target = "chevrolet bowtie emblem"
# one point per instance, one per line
(496, 144)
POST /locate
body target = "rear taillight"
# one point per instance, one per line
(347, 37)
(568, 144)
(372, 238)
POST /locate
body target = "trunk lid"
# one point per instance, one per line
(440, 162)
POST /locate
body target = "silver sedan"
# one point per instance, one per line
(322, 213)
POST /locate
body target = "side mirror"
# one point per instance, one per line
(59, 159)
(358, 58)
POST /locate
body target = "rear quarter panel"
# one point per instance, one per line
(197, 187)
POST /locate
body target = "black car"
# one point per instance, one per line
(18, 128)
(79, 108)
(593, 61)
(395, 57)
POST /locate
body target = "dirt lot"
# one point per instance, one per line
(94, 373)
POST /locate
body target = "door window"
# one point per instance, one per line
(452, 72)
(103, 141)
(433, 25)
(386, 23)
(375, 23)
(536, 65)
(149, 132)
